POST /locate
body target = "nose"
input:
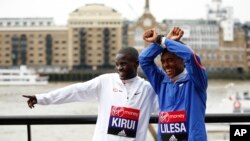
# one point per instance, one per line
(119, 67)
(165, 64)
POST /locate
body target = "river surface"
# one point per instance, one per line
(12, 103)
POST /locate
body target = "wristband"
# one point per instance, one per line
(158, 39)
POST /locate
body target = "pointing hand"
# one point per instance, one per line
(31, 100)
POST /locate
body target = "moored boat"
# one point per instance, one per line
(21, 76)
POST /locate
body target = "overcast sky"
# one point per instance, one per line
(130, 9)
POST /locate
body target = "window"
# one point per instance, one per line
(139, 43)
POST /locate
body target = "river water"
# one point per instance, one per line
(12, 103)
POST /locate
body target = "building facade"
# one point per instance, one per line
(90, 40)
(94, 33)
(144, 22)
(246, 28)
(207, 39)
(35, 42)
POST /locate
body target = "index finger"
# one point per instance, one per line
(26, 96)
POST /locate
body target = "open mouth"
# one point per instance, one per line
(121, 74)
(169, 72)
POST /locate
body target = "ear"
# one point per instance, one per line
(136, 63)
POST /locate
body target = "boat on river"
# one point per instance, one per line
(21, 76)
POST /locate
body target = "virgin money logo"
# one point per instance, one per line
(175, 116)
(164, 117)
(117, 111)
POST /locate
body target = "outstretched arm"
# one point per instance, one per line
(31, 100)
(85, 91)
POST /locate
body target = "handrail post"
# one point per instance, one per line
(29, 132)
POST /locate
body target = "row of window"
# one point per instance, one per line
(94, 23)
(221, 57)
(63, 54)
(88, 61)
(39, 42)
(25, 23)
(90, 29)
(98, 41)
(32, 62)
(26, 35)
(32, 48)
(91, 35)
(219, 69)
(91, 48)
(98, 55)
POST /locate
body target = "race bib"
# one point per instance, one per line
(123, 121)
(173, 126)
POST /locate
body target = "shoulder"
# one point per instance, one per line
(108, 76)
(145, 83)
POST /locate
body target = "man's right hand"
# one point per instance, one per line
(150, 35)
(175, 34)
(31, 100)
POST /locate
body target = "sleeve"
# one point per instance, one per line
(148, 66)
(73, 93)
(155, 109)
(192, 62)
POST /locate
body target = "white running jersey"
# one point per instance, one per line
(123, 113)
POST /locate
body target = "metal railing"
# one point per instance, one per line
(91, 119)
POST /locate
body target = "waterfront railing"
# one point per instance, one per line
(91, 119)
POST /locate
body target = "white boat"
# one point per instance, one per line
(21, 76)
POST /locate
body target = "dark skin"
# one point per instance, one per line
(126, 66)
(171, 63)
(31, 100)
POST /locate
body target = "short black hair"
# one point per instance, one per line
(129, 50)
(165, 50)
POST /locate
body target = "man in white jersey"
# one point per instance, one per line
(125, 101)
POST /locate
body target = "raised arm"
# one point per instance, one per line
(147, 56)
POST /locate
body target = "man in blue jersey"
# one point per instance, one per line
(180, 84)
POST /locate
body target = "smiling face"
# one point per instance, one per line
(172, 64)
(126, 65)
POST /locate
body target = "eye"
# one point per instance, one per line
(170, 60)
